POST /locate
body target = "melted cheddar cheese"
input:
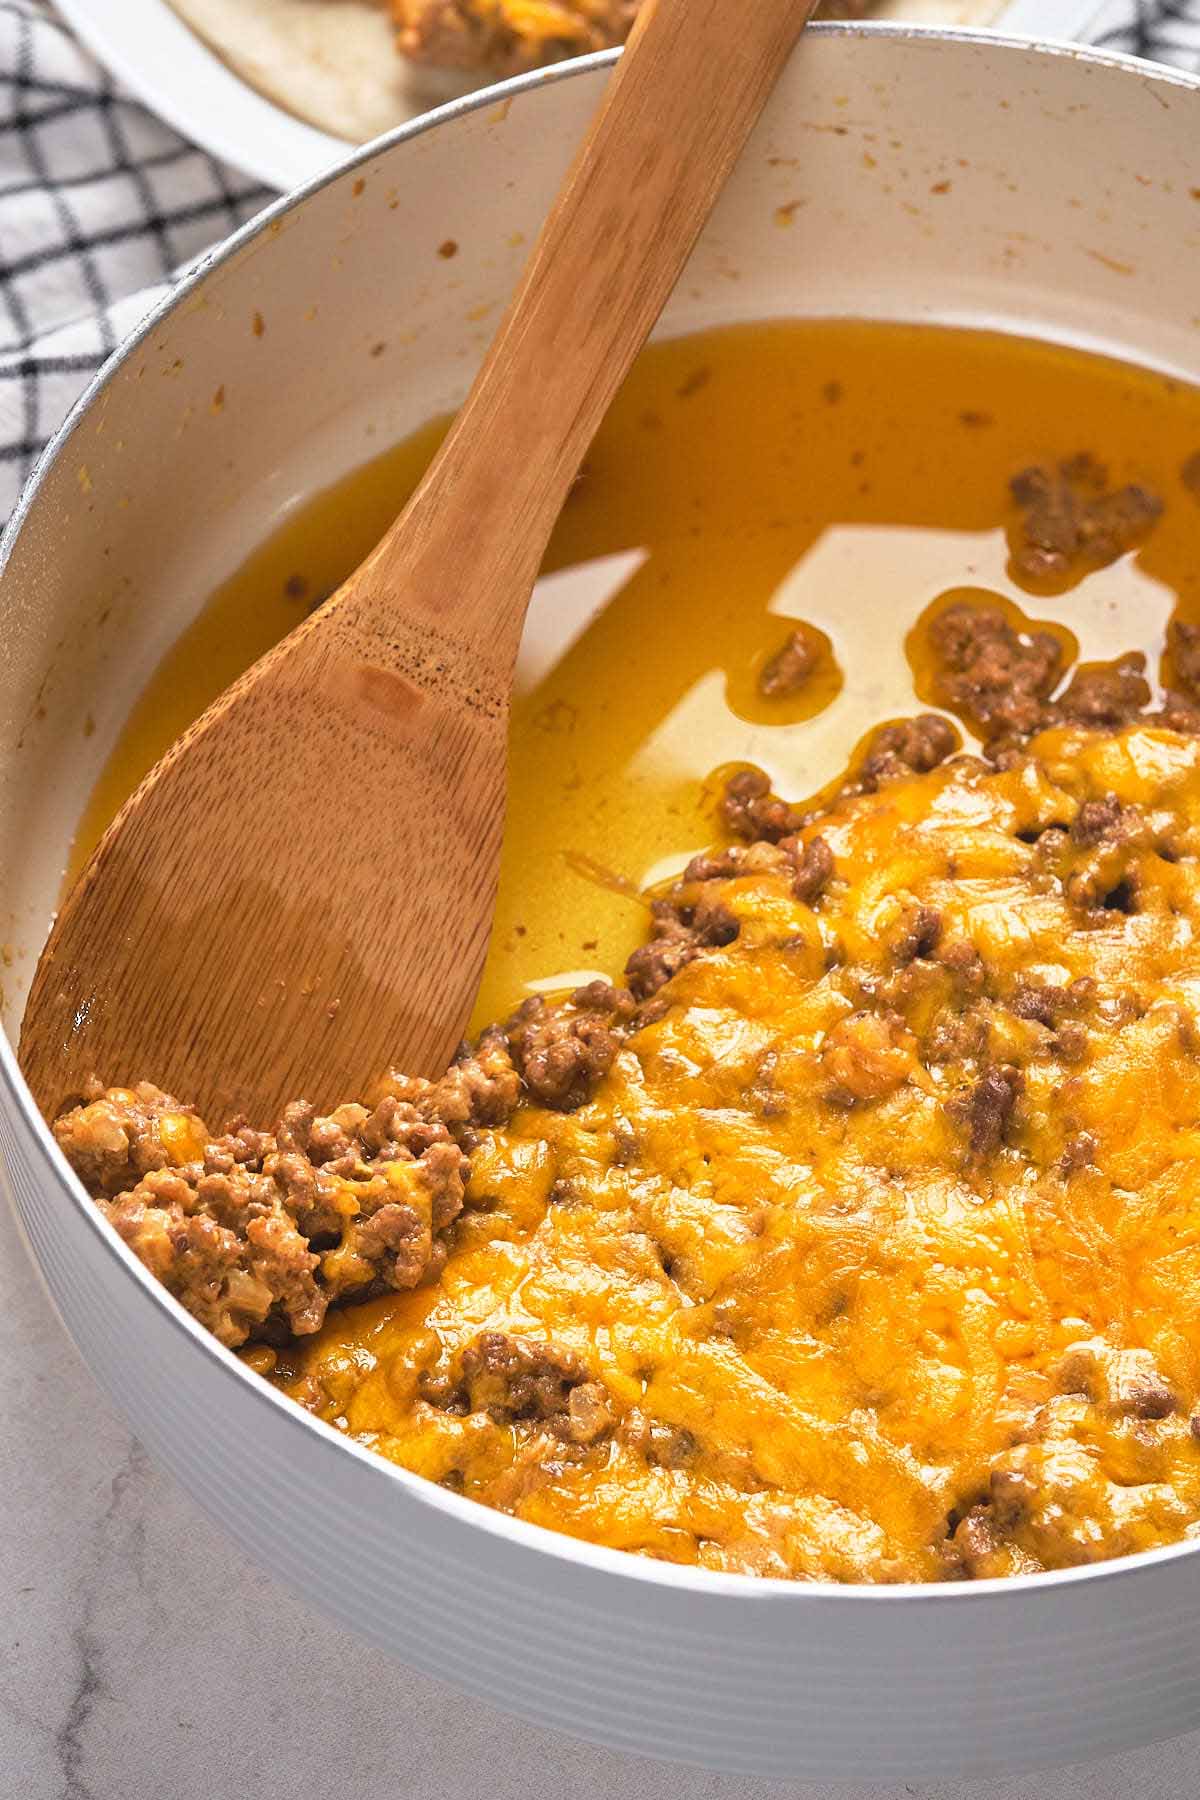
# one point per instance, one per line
(848, 1307)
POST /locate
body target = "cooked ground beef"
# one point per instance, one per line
(679, 935)
(920, 935)
(1177, 713)
(663, 1446)
(808, 863)
(907, 747)
(516, 1378)
(118, 1136)
(1105, 822)
(965, 964)
(1031, 1000)
(715, 865)
(466, 34)
(1097, 863)
(989, 1108)
(1071, 518)
(998, 676)
(1004, 679)
(1079, 1152)
(1183, 641)
(506, 40)
(750, 810)
(788, 670)
(672, 944)
(814, 870)
(563, 1051)
(1107, 695)
(258, 1232)
(227, 1248)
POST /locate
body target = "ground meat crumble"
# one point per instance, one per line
(258, 1233)
(515, 1378)
(509, 39)
(788, 669)
(1070, 515)
(463, 34)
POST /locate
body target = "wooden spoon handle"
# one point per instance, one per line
(685, 96)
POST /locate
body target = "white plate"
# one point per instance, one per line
(156, 55)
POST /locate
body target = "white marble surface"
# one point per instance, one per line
(142, 1658)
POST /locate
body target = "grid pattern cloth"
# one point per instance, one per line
(102, 205)
(1166, 30)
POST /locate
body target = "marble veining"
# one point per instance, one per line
(143, 1658)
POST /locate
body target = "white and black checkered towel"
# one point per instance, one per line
(101, 205)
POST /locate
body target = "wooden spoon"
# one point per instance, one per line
(301, 892)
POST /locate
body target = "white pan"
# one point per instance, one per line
(1075, 218)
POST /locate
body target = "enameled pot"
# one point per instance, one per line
(939, 177)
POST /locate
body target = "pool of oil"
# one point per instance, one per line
(835, 473)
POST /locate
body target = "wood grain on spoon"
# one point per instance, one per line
(301, 892)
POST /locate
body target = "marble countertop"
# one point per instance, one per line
(144, 1658)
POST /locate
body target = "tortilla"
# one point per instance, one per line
(334, 63)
